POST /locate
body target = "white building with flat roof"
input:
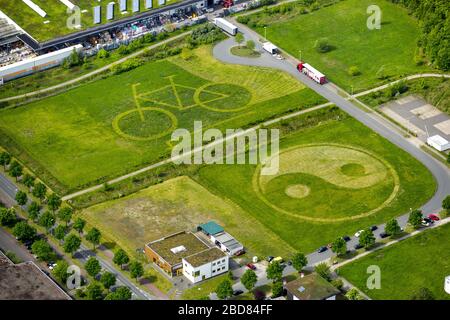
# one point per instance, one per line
(438, 142)
(204, 265)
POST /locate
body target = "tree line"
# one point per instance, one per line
(434, 19)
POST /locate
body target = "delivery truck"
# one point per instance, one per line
(226, 26)
(311, 72)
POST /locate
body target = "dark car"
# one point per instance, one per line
(428, 220)
(357, 246)
(322, 249)
(251, 266)
(289, 263)
(384, 235)
(269, 258)
(346, 238)
(373, 228)
(237, 292)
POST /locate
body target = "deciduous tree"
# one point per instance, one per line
(43, 250)
(23, 231)
(367, 239)
(72, 243)
(274, 271)
(79, 225)
(415, 218)
(92, 266)
(299, 261)
(224, 289)
(249, 279)
(21, 198)
(93, 236)
(136, 269)
(108, 279)
(121, 258)
(392, 228)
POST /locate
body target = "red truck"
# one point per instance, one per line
(312, 73)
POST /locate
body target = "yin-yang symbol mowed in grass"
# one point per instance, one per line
(328, 182)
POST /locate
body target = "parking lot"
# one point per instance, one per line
(419, 117)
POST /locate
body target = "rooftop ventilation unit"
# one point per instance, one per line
(178, 249)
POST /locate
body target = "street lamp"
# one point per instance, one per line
(300, 54)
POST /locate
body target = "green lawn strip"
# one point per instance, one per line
(389, 50)
(420, 261)
(243, 51)
(57, 16)
(70, 142)
(235, 183)
(203, 289)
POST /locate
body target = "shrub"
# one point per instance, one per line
(337, 283)
(102, 54)
(354, 71)
(322, 45)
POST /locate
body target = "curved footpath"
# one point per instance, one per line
(372, 120)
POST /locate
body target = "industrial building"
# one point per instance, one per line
(217, 235)
(26, 281)
(311, 287)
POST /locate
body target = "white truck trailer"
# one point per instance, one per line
(39, 63)
(226, 26)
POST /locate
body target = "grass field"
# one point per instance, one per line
(112, 126)
(203, 289)
(391, 49)
(420, 261)
(57, 15)
(176, 205)
(350, 178)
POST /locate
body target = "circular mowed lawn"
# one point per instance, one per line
(328, 182)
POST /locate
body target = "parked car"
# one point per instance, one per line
(269, 258)
(433, 217)
(289, 263)
(346, 238)
(237, 292)
(384, 235)
(357, 246)
(426, 222)
(373, 228)
(251, 266)
(277, 259)
(357, 234)
(240, 252)
(322, 249)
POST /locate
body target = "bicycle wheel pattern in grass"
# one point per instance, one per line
(328, 183)
(223, 97)
(144, 124)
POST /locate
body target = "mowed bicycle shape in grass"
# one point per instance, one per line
(145, 123)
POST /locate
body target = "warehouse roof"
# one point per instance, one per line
(177, 246)
(311, 287)
(26, 281)
(201, 258)
(210, 228)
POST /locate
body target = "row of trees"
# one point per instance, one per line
(274, 272)
(434, 20)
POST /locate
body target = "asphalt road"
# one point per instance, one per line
(7, 242)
